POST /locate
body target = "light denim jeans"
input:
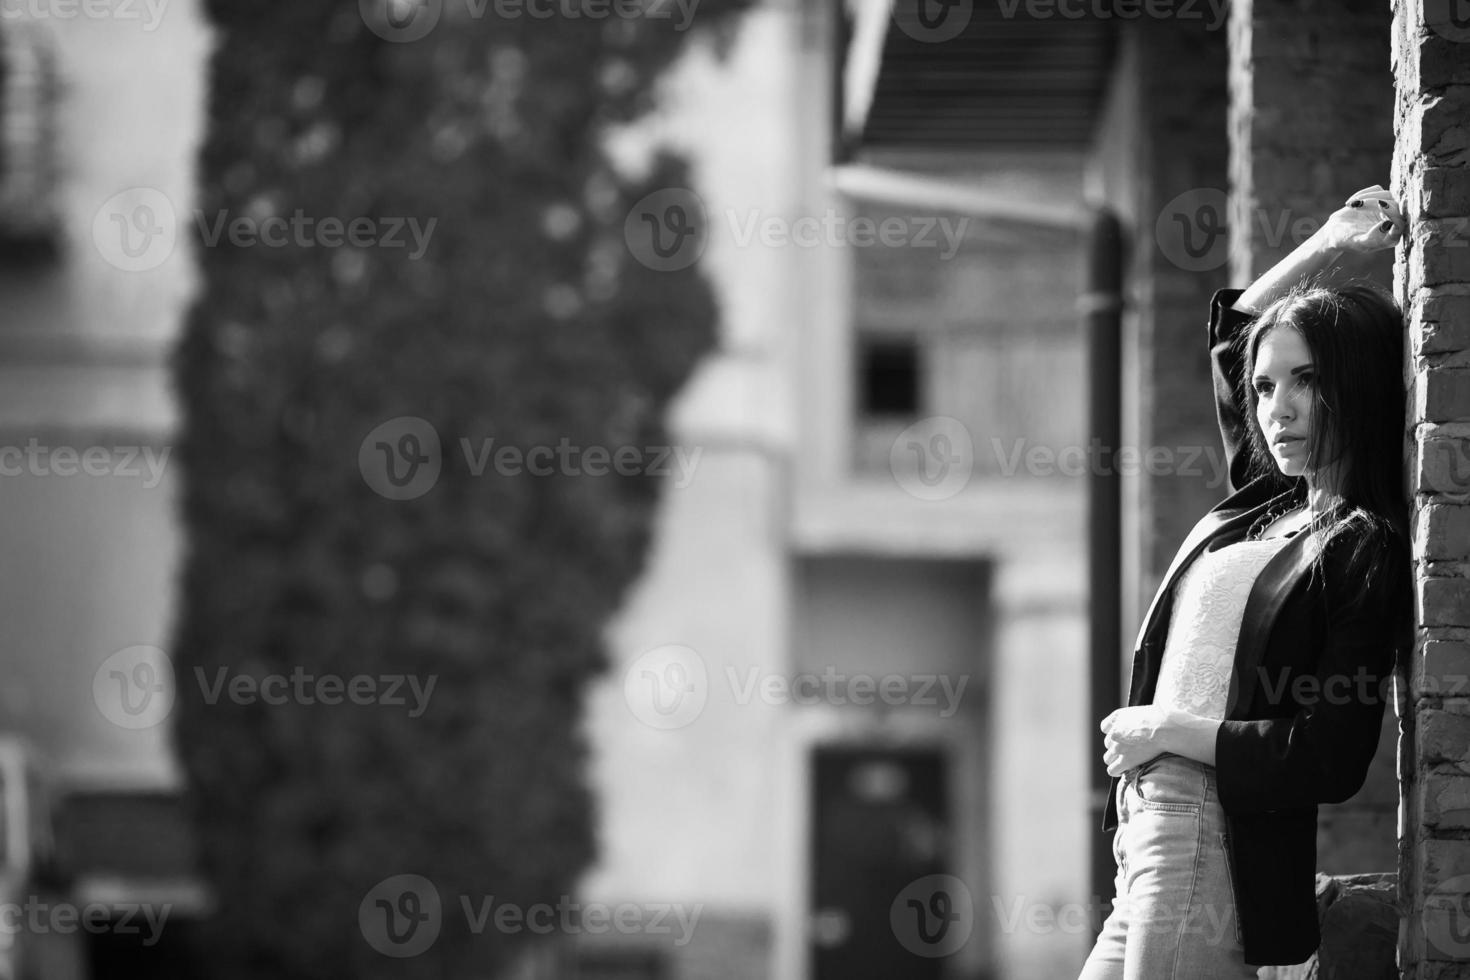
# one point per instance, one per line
(1174, 915)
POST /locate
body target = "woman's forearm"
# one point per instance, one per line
(1309, 259)
(1191, 736)
(1342, 247)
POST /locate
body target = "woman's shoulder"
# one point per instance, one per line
(1358, 530)
(1365, 554)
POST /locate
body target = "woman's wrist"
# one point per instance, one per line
(1190, 735)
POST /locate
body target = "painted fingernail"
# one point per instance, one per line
(1383, 204)
(1387, 226)
(1356, 204)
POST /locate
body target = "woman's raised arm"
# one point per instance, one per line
(1370, 222)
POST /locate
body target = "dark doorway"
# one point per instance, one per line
(129, 950)
(880, 824)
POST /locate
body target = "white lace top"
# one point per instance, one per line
(1209, 604)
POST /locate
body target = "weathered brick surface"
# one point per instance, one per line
(1439, 862)
(1443, 733)
(1444, 799)
(1442, 462)
(1445, 194)
(1444, 395)
(1444, 601)
(1431, 69)
(1443, 253)
(1440, 530)
(1441, 322)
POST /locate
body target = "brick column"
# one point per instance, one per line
(1431, 62)
(1311, 121)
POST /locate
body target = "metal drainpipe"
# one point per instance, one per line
(1101, 307)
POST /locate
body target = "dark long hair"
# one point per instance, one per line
(1355, 334)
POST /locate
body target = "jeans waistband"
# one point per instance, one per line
(1170, 759)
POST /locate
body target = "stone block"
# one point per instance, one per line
(1444, 396)
(1443, 532)
(1442, 464)
(1359, 919)
(1444, 736)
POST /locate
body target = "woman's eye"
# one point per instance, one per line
(1263, 388)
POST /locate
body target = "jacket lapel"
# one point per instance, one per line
(1214, 523)
(1270, 591)
(1234, 513)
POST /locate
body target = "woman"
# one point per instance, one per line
(1261, 670)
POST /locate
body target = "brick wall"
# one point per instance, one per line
(1431, 63)
(1311, 121)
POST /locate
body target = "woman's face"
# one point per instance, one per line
(1285, 388)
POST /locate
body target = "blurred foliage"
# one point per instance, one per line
(526, 320)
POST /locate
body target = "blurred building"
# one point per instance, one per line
(96, 102)
(847, 725)
(894, 459)
(890, 492)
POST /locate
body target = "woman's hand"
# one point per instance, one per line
(1370, 221)
(1337, 251)
(1132, 736)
